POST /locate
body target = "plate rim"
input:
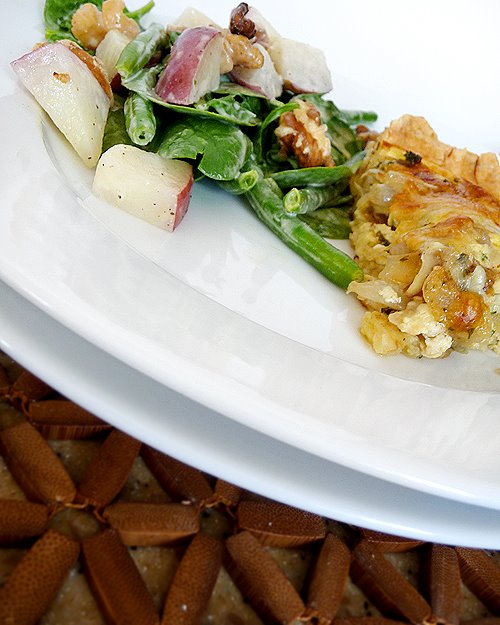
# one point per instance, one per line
(432, 480)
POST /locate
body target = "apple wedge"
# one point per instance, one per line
(266, 34)
(193, 68)
(264, 80)
(190, 17)
(69, 91)
(302, 67)
(144, 184)
(109, 50)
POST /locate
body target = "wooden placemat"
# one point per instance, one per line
(96, 528)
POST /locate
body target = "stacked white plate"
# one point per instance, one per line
(216, 343)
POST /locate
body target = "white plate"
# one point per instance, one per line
(225, 448)
(221, 311)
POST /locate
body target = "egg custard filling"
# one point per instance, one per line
(426, 231)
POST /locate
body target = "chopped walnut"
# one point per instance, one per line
(240, 52)
(365, 134)
(302, 135)
(89, 25)
(240, 24)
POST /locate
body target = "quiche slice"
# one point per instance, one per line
(426, 231)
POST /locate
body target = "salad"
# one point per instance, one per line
(156, 108)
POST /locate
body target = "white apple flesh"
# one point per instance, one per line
(266, 34)
(144, 184)
(264, 80)
(190, 17)
(193, 68)
(109, 50)
(302, 67)
(68, 91)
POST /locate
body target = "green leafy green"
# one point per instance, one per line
(236, 108)
(358, 117)
(223, 147)
(243, 110)
(260, 140)
(57, 16)
(115, 131)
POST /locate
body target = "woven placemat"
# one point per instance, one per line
(96, 528)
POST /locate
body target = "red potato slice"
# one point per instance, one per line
(193, 68)
(265, 80)
(144, 184)
(69, 92)
(302, 67)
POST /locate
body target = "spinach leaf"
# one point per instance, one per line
(234, 108)
(239, 109)
(57, 15)
(115, 131)
(223, 147)
(260, 139)
(358, 117)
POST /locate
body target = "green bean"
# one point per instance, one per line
(309, 199)
(139, 119)
(265, 198)
(332, 222)
(139, 51)
(318, 176)
(243, 183)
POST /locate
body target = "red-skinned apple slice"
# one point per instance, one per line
(144, 184)
(265, 80)
(302, 67)
(67, 89)
(193, 68)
